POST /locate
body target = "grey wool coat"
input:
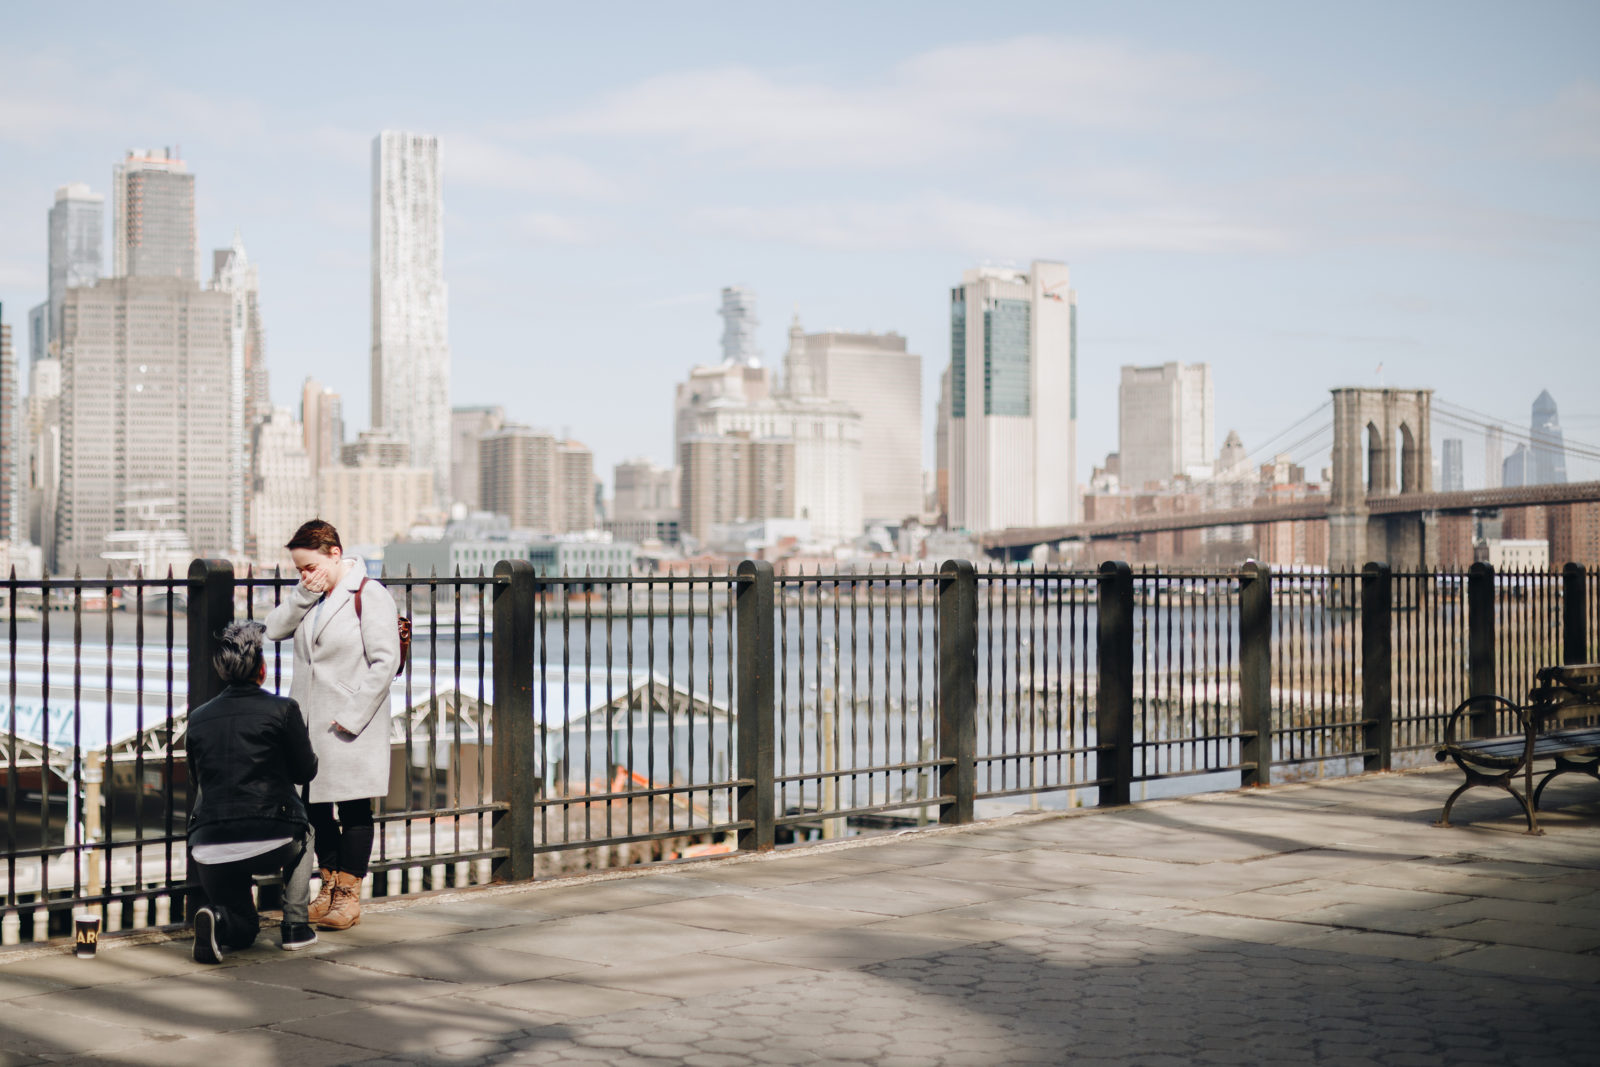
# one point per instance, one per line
(342, 672)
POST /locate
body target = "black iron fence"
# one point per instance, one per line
(550, 724)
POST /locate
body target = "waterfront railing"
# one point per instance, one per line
(550, 724)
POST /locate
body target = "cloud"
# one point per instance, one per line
(974, 228)
(959, 99)
(1569, 125)
(552, 229)
(488, 164)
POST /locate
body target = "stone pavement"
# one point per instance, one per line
(1325, 923)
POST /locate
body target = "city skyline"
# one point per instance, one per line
(1359, 239)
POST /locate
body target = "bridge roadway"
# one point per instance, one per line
(1324, 923)
(1299, 511)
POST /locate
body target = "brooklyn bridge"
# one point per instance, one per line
(1381, 505)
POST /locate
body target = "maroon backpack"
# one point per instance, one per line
(403, 623)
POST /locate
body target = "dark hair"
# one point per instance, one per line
(238, 657)
(317, 535)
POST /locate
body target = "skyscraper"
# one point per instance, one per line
(145, 404)
(1493, 457)
(43, 435)
(1165, 425)
(739, 324)
(519, 476)
(322, 422)
(575, 487)
(1452, 470)
(152, 219)
(1548, 461)
(285, 494)
(249, 400)
(873, 374)
(1013, 398)
(410, 336)
(77, 221)
(466, 426)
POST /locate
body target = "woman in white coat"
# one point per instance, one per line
(344, 662)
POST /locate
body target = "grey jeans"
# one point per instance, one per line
(228, 887)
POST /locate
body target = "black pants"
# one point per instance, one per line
(227, 885)
(345, 845)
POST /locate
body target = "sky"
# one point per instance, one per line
(1303, 196)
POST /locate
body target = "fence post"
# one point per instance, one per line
(210, 609)
(1574, 614)
(958, 689)
(1377, 667)
(753, 608)
(515, 744)
(1255, 672)
(1114, 698)
(1480, 644)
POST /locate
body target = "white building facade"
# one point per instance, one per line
(1013, 399)
(234, 274)
(875, 376)
(410, 335)
(283, 489)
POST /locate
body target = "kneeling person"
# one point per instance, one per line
(247, 750)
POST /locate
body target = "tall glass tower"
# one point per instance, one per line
(152, 221)
(410, 345)
(1013, 433)
(76, 223)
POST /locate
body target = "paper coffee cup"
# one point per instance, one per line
(87, 934)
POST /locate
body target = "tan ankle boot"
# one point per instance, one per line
(324, 898)
(345, 911)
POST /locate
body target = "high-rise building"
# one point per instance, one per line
(1549, 450)
(1013, 398)
(1517, 470)
(1452, 468)
(643, 492)
(77, 225)
(374, 505)
(38, 332)
(734, 477)
(517, 476)
(11, 502)
(285, 494)
(575, 511)
(234, 274)
(874, 375)
(1164, 423)
(826, 436)
(1493, 457)
(941, 450)
(152, 218)
(145, 403)
(739, 324)
(43, 433)
(467, 424)
(322, 422)
(410, 334)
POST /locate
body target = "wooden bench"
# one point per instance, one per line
(1559, 723)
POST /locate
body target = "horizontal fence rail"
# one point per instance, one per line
(549, 724)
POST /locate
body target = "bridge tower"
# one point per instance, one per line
(1395, 424)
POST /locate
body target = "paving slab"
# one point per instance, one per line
(1324, 922)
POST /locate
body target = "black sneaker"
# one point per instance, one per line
(297, 935)
(206, 949)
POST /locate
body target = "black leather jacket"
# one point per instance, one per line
(248, 749)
